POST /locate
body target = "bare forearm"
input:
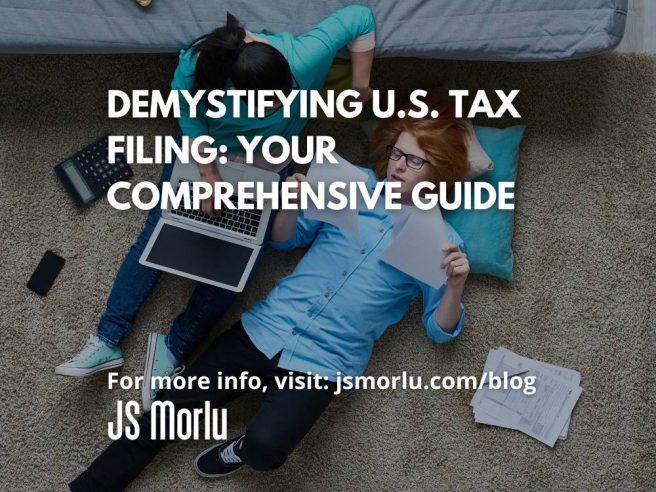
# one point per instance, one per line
(205, 169)
(449, 311)
(284, 226)
(361, 63)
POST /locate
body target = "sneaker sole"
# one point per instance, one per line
(148, 372)
(79, 372)
(208, 475)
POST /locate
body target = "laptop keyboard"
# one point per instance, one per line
(241, 221)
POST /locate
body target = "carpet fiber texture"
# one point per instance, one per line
(585, 241)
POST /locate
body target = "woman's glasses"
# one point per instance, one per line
(412, 161)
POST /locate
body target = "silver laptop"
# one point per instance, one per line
(219, 251)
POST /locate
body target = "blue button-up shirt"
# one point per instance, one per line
(326, 315)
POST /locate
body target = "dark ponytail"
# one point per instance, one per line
(223, 55)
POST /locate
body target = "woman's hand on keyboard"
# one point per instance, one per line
(209, 174)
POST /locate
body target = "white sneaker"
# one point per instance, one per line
(96, 356)
(157, 365)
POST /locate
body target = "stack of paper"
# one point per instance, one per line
(545, 414)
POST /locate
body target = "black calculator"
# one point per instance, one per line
(88, 174)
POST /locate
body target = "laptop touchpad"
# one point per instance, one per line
(201, 255)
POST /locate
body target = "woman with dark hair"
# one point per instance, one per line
(230, 56)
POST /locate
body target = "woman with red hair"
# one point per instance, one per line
(320, 321)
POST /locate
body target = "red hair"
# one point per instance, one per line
(443, 140)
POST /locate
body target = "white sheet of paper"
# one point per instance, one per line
(346, 219)
(416, 245)
(485, 418)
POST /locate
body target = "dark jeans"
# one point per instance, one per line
(135, 282)
(283, 419)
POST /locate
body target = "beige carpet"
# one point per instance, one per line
(583, 297)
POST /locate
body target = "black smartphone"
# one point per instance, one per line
(46, 273)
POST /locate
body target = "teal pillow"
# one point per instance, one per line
(488, 233)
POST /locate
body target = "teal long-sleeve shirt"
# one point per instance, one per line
(326, 315)
(309, 55)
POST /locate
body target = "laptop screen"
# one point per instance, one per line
(201, 255)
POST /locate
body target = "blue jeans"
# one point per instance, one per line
(134, 283)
